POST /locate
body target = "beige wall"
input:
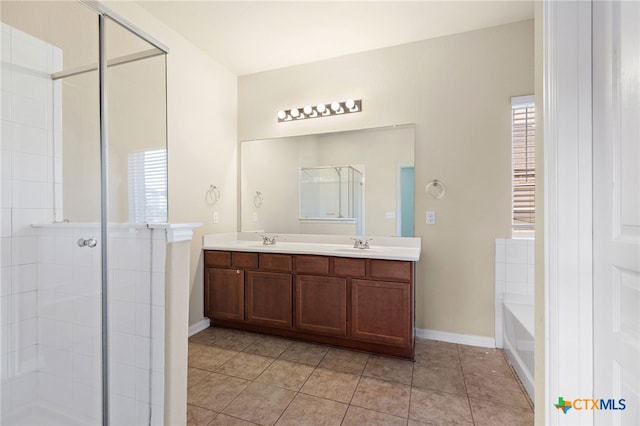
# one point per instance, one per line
(202, 139)
(457, 91)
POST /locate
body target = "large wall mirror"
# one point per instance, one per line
(357, 182)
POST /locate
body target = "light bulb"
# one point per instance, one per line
(294, 112)
(307, 109)
(349, 103)
(335, 106)
(282, 115)
(320, 108)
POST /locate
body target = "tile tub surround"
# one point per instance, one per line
(514, 305)
(390, 248)
(307, 384)
(514, 277)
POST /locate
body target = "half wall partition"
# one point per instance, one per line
(84, 180)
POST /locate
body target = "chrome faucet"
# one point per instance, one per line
(359, 244)
(268, 241)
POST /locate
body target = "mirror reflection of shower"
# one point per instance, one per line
(332, 193)
(272, 166)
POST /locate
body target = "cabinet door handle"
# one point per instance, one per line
(237, 271)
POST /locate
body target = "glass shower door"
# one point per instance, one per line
(137, 197)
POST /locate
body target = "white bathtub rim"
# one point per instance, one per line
(525, 376)
(524, 313)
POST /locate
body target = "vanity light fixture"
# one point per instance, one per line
(309, 111)
(320, 110)
(351, 105)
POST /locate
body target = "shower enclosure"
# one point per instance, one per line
(83, 181)
(332, 193)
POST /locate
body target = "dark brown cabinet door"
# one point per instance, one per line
(381, 312)
(321, 304)
(224, 293)
(268, 298)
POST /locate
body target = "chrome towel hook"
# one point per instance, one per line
(258, 199)
(213, 195)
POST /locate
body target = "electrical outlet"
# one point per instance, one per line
(431, 217)
(216, 217)
(390, 215)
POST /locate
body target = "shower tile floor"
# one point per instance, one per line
(240, 378)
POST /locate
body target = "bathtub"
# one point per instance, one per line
(518, 341)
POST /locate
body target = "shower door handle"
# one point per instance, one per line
(87, 242)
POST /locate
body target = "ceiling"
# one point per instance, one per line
(253, 36)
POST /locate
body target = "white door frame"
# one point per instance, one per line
(568, 208)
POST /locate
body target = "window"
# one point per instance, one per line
(523, 144)
(148, 186)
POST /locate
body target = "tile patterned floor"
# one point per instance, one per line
(240, 378)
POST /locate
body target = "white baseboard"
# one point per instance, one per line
(199, 326)
(462, 339)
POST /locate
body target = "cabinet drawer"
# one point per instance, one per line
(391, 270)
(276, 262)
(217, 258)
(349, 267)
(312, 264)
(244, 260)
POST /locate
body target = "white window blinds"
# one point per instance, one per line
(523, 140)
(148, 186)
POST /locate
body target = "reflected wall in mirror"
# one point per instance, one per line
(384, 158)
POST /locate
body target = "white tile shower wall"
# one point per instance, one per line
(514, 275)
(26, 183)
(137, 318)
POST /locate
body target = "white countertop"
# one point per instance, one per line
(390, 248)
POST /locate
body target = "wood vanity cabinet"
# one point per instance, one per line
(321, 304)
(364, 304)
(224, 293)
(268, 298)
(223, 287)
